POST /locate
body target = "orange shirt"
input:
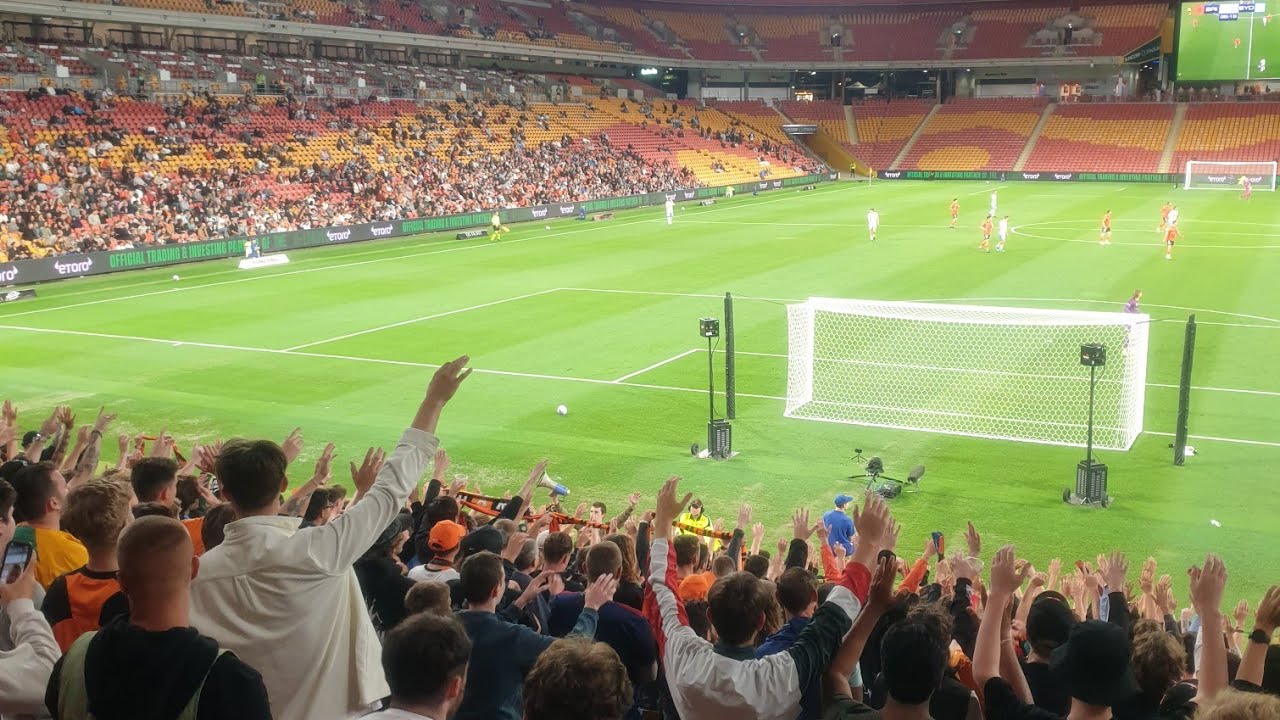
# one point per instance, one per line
(955, 208)
(986, 226)
(82, 601)
(1164, 211)
(195, 528)
(57, 553)
(1106, 221)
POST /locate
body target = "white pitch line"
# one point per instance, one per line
(482, 371)
(424, 318)
(404, 256)
(659, 293)
(337, 266)
(1001, 187)
(655, 366)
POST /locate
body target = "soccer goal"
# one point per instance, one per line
(1203, 175)
(993, 372)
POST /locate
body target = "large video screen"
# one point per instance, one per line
(1228, 41)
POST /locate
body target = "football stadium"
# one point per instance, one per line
(639, 359)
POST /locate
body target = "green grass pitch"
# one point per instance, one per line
(1207, 51)
(603, 318)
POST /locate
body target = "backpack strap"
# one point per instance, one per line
(73, 697)
(192, 710)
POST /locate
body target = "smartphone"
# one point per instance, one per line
(938, 542)
(16, 558)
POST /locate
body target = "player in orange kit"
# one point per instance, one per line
(1164, 217)
(955, 211)
(1171, 234)
(1105, 239)
(986, 235)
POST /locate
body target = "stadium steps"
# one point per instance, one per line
(1171, 142)
(1031, 141)
(850, 125)
(906, 149)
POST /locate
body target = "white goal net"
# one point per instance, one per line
(995, 372)
(1202, 175)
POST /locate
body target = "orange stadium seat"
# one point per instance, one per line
(975, 135)
(1120, 137)
(885, 127)
(1235, 132)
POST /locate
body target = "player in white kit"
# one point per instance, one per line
(671, 210)
(873, 223)
(1004, 233)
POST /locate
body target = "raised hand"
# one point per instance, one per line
(1055, 572)
(800, 527)
(965, 568)
(1147, 578)
(8, 434)
(9, 413)
(581, 510)
(634, 499)
(718, 524)
(440, 465)
(1005, 577)
(1241, 614)
(531, 481)
(891, 535)
(364, 475)
(446, 381)
(744, 517)
(973, 540)
(323, 467)
(458, 485)
(1207, 583)
(757, 532)
(1115, 571)
(292, 445)
(872, 519)
(52, 423)
(515, 544)
(1267, 619)
(669, 507)
(886, 575)
(103, 420)
(600, 592)
(930, 547)
(65, 416)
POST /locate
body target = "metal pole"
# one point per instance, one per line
(1088, 453)
(711, 383)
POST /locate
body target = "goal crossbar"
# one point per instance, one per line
(979, 371)
(1210, 175)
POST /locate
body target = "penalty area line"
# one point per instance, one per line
(655, 366)
(485, 371)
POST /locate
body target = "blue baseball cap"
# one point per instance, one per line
(842, 500)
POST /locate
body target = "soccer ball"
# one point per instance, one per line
(176, 278)
(562, 410)
(548, 227)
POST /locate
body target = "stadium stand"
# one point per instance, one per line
(885, 127)
(975, 135)
(1228, 132)
(1121, 137)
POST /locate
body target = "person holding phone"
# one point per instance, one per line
(29, 651)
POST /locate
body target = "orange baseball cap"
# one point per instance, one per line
(445, 536)
(694, 587)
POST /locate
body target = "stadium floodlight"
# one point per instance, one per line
(1205, 175)
(993, 372)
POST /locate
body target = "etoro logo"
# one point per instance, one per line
(689, 194)
(73, 268)
(381, 230)
(9, 274)
(566, 209)
(539, 212)
(1030, 176)
(894, 175)
(1217, 178)
(336, 235)
(1063, 176)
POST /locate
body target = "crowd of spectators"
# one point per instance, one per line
(199, 586)
(99, 185)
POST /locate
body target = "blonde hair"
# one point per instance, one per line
(97, 512)
(1236, 705)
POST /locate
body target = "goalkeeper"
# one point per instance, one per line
(498, 227)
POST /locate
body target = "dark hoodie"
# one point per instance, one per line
(133, 674)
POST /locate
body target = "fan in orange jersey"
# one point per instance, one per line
(955, 211)
(986, 235)
(1105, 239)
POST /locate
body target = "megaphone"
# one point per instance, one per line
(547, 482)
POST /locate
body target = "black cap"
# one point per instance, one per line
(1095, 664)
(398, 524)
(484, 538)
(1049, 621)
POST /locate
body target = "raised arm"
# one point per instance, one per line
(336, 545)
(1264, 627)
(1207, 584)
(845, 660)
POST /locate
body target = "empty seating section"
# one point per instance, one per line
(1240, 132)
(630, 26)
(975, 135)
(826, 114)
(1124, 137)
(1126, 27)
(791, 37)
(706, 35)
(884, 128)
(896, 35)
(1006, 32)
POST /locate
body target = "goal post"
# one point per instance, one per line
(1206, 175)
(992, 372)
